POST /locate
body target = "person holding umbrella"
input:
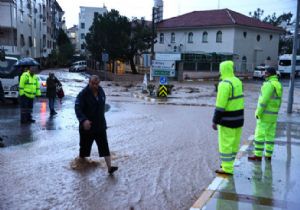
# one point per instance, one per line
(29, 88)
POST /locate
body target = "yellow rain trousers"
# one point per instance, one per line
(229, 142)
(264, 138)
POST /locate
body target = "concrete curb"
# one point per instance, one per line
(209, 192)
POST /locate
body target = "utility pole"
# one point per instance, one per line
(292, 74)
(153, 33)
(154, 16)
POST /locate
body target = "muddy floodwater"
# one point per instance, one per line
(166, 153)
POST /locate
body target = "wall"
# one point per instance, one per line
(181, 38)
(255, 51)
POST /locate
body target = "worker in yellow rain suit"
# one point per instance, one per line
(266, 113)
(29, 87)
(229, 116)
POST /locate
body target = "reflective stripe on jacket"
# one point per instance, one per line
(269, 101)
(229, 110)
(29, 85)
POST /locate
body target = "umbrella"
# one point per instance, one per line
(27, 62)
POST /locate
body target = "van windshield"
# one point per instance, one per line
(7, 66)
(284, 62)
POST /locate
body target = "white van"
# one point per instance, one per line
(78, 66)
(259, 71)
(285, 64)
(9, 76)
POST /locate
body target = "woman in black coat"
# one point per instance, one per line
(52, 82)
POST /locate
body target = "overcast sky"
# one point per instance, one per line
(142, 8)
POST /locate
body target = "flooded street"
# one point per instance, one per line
(166, 151)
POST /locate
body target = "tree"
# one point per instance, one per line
(65, 48)
(121, 39)
(257, 14)
(285, 42)
(140, 40)
(109, 33)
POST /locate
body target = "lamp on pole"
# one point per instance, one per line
(292, 74)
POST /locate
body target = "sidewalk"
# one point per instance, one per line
(260, 185)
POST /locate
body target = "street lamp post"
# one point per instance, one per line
(292, 74)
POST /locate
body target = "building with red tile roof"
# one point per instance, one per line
(204, 38)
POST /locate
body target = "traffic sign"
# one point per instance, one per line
(163, 81)
(162, 91)
(163, 73)
(166, 65)
(163, 68)
(105, 57)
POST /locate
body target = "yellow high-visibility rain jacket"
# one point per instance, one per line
(269, 101)
(229, 110)
(29, 85)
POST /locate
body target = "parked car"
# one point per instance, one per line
(43, 83)
(78, 66)
(259, 71)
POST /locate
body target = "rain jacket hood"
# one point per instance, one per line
(278, 88)
(226, 69)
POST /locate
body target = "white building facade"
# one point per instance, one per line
(248, 45)
(86, 17)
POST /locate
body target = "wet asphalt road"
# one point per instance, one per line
(166, 154)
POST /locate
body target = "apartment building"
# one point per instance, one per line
(86, 17)
(29, 27)
(72, 34)
(8, 26)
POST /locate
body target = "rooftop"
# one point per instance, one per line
(213, 18)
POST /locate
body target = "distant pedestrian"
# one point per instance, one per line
(90, 110)
(29, 88)
(1, 92)
(52, 83)
(229, 116)
(266, 113)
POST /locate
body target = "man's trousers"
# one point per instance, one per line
(229, 142)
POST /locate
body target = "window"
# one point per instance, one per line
(161, 38)
(44, 40)
(22, 40)
(245, 34)
(82, 36)
(30, 41)
(258, 38)
(204, 37)
(172, 37)
(21, 17)
(219, 37)
(82, 25)
(190, 37)
(244, 63)
(271, 37)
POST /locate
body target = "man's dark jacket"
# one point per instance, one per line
(87, 107)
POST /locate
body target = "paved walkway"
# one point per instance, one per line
(260, 185)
